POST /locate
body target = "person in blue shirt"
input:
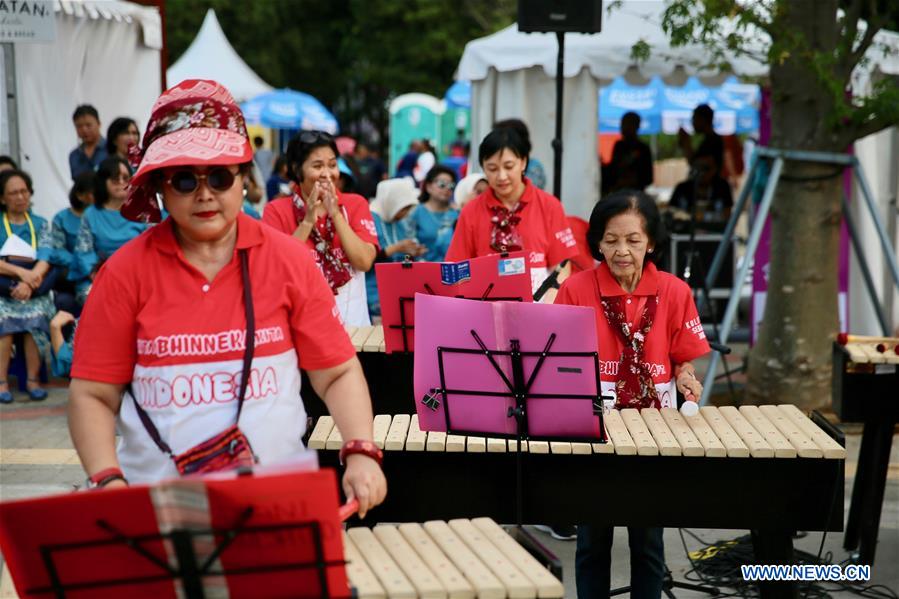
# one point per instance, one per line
(395, 201)
(92, 149)
(103, 228)
(25, 304)
(434, 221)
(278, 184)
(62, 336)
(64, 231)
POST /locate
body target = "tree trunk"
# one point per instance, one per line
(791, 361)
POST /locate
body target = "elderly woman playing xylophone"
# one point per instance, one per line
(204, 321)
(649, 332)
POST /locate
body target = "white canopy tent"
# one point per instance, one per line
(211, 56)
(513, 75)
(106, 53)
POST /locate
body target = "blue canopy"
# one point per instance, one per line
(735, 105)
(458, 95)
(620, 97)
(289, 109)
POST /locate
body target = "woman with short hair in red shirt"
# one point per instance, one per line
(204, 321)
(512, 214)
(337, 227)
(649, 333)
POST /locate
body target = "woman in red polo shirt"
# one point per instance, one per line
(649, 333)
(205, 320)
(337, 227)
(512, 214)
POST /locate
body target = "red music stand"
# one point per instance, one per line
(498, 277)
(280, 532)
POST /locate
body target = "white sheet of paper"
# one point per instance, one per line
(16, 246)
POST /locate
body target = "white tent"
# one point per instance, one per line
(211, 56)
(512, 75)
(106, 53)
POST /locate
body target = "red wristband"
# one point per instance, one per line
(105, 476)
(361, 446)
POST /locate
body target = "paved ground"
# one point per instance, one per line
(36, 458)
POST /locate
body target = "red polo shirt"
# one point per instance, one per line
(279, 214)
(676, 335)
(545, 232)
(153, 321)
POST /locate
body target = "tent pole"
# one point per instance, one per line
(12, 102)
(557, 142)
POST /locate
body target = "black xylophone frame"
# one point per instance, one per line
(189, 571)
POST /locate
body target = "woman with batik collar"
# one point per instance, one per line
(512, 214)
(649, 333)
(192, 338)
(337, 227)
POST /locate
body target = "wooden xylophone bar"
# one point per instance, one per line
(460, 558)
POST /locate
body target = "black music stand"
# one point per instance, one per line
(190, 570)
(518, 387)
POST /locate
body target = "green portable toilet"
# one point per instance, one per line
(414, 116)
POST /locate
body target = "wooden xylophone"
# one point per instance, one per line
(389, 376)
(768, 469)
(865, 380)
(460, 558)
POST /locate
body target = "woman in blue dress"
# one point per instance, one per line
(103, 228)
(66, 224)
(435, 220)
(25, 304)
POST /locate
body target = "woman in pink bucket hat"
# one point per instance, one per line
(192, 338)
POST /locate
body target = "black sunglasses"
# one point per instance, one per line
(186, 181)
(311, 137)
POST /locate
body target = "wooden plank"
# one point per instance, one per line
(831, 449)
(426, 583)
(384, 567)
(495, 445)
(686, 438)
(396, 435)
(782, 447)
(874, 356)
(560, 447)
(518, 586)
(455, 583)
(360, 337)
(374, 341)
(485, 583)
(416, 439)
(890, 356)
(728, 438)
(618, 434)
(661, 434)
(754, 440)
(639, 433)
(335, 440)
(455, 443)
(320, 432)
(380, 428)
(382, 347)
(538, 446)
(350, 330)
(581, 448)
(476, 444)
(436, 441)
(548, 586)
(805, 447)
(513, 445)
(360, 576)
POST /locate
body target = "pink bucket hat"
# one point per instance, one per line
(197, 122)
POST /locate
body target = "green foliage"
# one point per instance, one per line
(353, 55)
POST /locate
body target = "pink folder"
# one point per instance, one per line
(487, 277)
(448, 323)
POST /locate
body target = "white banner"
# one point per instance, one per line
(27, 21)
